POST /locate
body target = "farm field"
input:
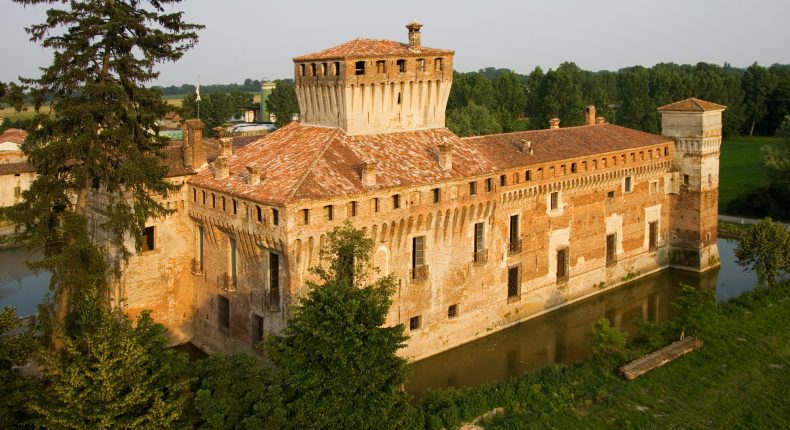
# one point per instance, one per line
(741, 166)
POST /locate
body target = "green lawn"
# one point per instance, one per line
(739, 379)
(741, 166)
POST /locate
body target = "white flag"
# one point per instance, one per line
(197, 91)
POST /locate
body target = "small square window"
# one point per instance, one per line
(610, 195)
(415, 322)
(452, 311)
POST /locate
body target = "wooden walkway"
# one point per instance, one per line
(659, 358)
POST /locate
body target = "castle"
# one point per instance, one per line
(482, 232)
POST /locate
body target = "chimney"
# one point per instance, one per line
(368, 173)
(446, 156)
(192, 146)
(589, 113)
(554, 123)
(221, 168)
(226, 146)
(600, 120)
(525, 146)
(253, 174)
(414, 36)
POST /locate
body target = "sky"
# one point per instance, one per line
(256, 39)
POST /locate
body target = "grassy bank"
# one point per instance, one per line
(741, 167)
(738, 379)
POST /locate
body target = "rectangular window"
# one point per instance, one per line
(420, 65)
(628, 185)
(502, 181)
(204, 197)
(513, 281)
(438, 66)
(274, 279)
(275, 217)
(223, 204)
(352, 208)
(653, 235)
(480, 252)
(528, 175)
(260, 213)
(516, 178)
(515, 241)
(329, 213)
(611, 248)
(437, 195)
(149, 243)
(401, 66)
(257, 329)
(313, 69)
(555, 200)
(194, 195)
(686, 179)
(359, 68)
(452, 311)
(336, 68)
(233, 258)
(223, 313)
(235, 207)
(374, 203)
(573, 167)
(489, 185)
(610, 195)
(415, 322)
(305, 218)
(213, 201)
(381, 66)
(418, 252)
(472, 188)
(396, 201)
(654, 188)
(562, 264)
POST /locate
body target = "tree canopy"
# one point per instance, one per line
(765, 248)
(282, 102)
(338, 363)
(216, 108)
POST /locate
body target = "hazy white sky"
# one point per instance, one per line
(256, 39)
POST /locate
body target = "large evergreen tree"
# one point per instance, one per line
(338, 362)
(101, 134)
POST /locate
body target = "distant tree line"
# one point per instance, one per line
(500, 100)
(248, 86)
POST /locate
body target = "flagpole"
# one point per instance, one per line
(197, 96)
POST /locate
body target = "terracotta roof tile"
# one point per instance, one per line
(14, 168)
(302, 162)
(359, 48)
(691, 105)
(13, 135)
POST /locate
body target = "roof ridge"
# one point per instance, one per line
(312, 164)
(532, 131)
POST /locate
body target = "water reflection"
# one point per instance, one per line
(20, 287)
(563, 336)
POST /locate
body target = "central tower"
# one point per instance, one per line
(370, 86)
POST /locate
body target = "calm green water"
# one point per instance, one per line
(563, 336)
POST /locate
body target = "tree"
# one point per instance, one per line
(758, 83)
(282, 102)
(216, 108)
(117, 376)
(511, 93)
(101, 134)
(472, 120)
(237, 392)
(338, 362)
(765, 248)
(636, 108)
(16, 347)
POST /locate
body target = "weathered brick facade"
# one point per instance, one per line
(481, 232)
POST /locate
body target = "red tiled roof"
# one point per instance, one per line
(174, 159)
(360, 48)
(14, 168)
(302, 162)
(691, 105)
(13, 135)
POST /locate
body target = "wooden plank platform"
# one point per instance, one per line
(659, 358)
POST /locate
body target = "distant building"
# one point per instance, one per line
(16, 174)
(481, 232)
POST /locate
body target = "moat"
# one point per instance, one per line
(561, 336)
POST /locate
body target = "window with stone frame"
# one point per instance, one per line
(562, 264)
(611, 248)
(554, 201)
(652, 231)
(149, 240)
(415, 322)
(513, 282)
